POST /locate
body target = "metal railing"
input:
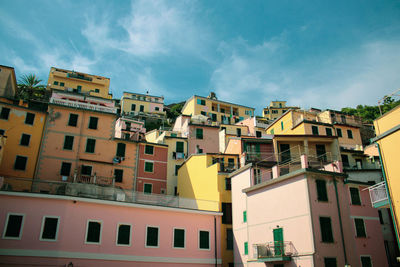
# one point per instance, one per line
(274, 249)
(260, 156)
(103, 192)
(378, 192)
(94, 179)
(81, 105)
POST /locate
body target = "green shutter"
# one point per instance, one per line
(199, 133)
(179, 147)
(278, 241)
(246, 248)
(244, 216)
(148, 166)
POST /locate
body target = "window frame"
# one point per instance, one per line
(69, 119)
(33, 119)
(313, 127)
(350, 134)
(365, 256)
(328, 131)
(184, 237)
(158, 236)
(15, 162)
(72, 145)
(122, 175)
(8, 113)
(198, 136)
(244, 216)
(94, 146)
(351, 196)
(29, 139)
(121, 149)
(144, 186)
(100, 234)
(145, 149)
(6, 226)
(117, 235)
(339, 132)
(144, 167)
(332, 236)
(209, 241)
(90, 122)
(42, 228)
(70, 167)
(318, 183)
(355, 228)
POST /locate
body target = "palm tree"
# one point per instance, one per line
(29, 87)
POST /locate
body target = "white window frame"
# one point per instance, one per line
(130, 235)
(149, 153)
(87, 228)
(158, 237)
(151, 188)
(42, 228)
(6, 224)
(173, 237)
(369, 256)
(144, 167)
(209, 240)
(359, 195)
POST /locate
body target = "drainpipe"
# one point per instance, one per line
(215, 241)
(340, 222)
(388, 194)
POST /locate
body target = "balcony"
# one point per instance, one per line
(81, 105)
(378, 195)
(261, 157)
(178, 155)
(104, 191)
(79, 76)
(274, 252)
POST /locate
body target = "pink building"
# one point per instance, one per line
(129, 128)
(300, 213)
(152, 168)
(58, 230)
(79, 145)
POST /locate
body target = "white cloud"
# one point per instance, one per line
(255, 75)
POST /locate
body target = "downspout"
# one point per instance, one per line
(136, 166)
(215, 241)
(388, 194)
(340, 222)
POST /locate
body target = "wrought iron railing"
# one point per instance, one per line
(378, 193)
(274, 249)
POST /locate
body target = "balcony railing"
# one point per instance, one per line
(75, 104)
(104, 192)
(258, 156)
(94, 179)
(79, 76)
(378, 194)
(279, 250)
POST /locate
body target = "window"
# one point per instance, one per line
(227, 213)
(149, 150)
(133, 107)
(147, 188)
(380, 216)
(345, 161)
(141, 108)
(176, 169)
(204, 239)
(121, 149)
(49, 230)
(360, 227)
(79, 87)
(229, 239)
(62, 84)
(203, 113)
(73, 120)
(5, 112)
(199, 133)
(68, 142)
(213, 117)
(86, 170)
(238, 132)
(93, 232)
(339, 132)
(179, 147)
(65, 168)
(152, 236)
(244, 216)
(366, 261)
(148, 166)
(124, 235)
(201, 102)
(322, 194)
(93, 123)
(349, 134)
(246, 248)
(326, 229)
(179, 238)
(274, 111)
(96, 90)
(282, 125)
(20, 163)
(314, 130)
(258, 134)
(118, 175)
(90, 145)
(30, 118)
(2, 132)
(228, 185)
(157, 109)
(330, 262)
(355, 196)
(25, 138)
(13, 226)
(55, 83)
(266, 112)
(328, 131)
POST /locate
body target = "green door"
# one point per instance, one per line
(278, 241)
(258, 154)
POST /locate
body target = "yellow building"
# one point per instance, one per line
(79, 82)
(216, 110)
(177, 153)
(276, 109)
(141, 104)
(23, 128)
(387, 128)
(8, 82)
(204, 177)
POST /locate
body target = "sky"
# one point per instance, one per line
(322, 54)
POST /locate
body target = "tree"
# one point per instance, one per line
(29, 87)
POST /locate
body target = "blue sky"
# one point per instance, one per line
(324, 54)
